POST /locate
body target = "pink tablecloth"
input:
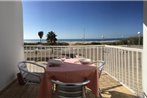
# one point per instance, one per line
(70, 71)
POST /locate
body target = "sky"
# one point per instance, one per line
(82, 19)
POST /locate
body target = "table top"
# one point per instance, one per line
(70, 71)
(70, 65)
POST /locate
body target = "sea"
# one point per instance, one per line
(75, 40)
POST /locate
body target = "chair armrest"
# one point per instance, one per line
(34, 74)
(34, 64)
(30, 73)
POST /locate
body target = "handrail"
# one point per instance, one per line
(124, 48)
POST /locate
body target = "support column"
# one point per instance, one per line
(144, 62)
(11, 40)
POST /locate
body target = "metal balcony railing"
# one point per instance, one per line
(43, 53)
(123, 64)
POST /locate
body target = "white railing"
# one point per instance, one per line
(124, 64)
(43, 53)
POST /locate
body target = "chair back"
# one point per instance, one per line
(23, 69)
(30, 76)
(101, 67)
(70, 90)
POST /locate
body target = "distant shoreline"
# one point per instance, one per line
(88, 42)
(75, 40)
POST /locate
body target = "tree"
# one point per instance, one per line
(40, 34)
(131, 41)
(51, 38)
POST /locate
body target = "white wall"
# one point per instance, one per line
(145, 49)
(11, 40)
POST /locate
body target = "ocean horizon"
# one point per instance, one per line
(75, 40)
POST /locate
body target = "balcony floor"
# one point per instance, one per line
(110, 89)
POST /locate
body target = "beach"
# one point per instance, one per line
(74, 40)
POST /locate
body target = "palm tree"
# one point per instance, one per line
(40, 34)
(51, 38)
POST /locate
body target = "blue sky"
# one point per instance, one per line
(73, 19)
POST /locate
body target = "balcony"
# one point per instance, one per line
(122, 64)
(122, 77)
(110, 87)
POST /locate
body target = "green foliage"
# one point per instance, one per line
(132, 41)
(51, 38)
(95, 43)
(60, 43)
(91, 43)
(30, 43)
(127, 41)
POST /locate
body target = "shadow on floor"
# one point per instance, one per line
(116, 94)
(112, 87)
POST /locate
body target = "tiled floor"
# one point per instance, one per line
(109, 87)
(113, 89)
